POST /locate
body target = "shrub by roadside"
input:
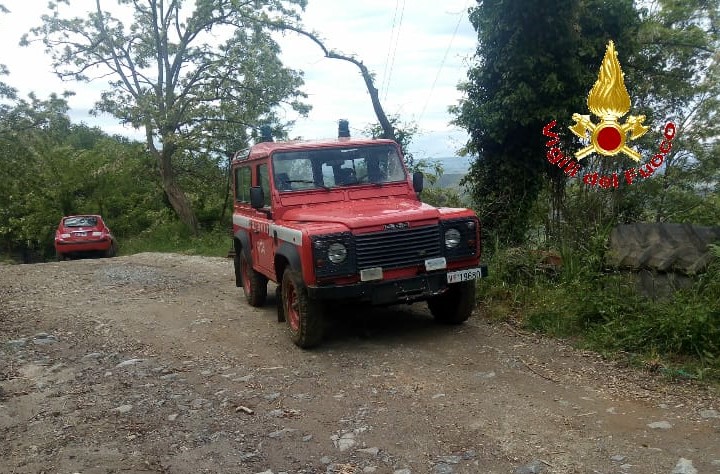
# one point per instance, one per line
(602, 310)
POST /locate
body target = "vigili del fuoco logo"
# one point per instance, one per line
(609, 136)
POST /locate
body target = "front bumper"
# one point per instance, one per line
(382, 292)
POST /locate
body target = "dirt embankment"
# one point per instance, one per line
(154, 363)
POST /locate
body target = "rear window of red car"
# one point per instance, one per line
(84, 221)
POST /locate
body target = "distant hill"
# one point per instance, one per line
(454, 169)
(450, 180)
(453, 164)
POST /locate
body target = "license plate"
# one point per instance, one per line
(465, 275)
(369, 274)
(80, 234)
(435, 264)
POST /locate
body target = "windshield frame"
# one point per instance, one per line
(337, 167)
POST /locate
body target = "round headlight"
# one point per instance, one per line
(337, 252)
(452, 238)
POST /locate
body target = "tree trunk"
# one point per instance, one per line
(388, 129)
(227, 188)
(179, 201)
(176, 196)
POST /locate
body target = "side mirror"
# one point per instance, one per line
(257, 197)
(418, 181)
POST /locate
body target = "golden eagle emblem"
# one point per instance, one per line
(609, 100)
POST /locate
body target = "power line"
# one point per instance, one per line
(397, 40)
(392, 35)
(442, 63)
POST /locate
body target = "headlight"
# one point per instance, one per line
(64, 236)
(96, 234)
(337, 252)
(452, 238)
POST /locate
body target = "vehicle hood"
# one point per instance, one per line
(364, 212)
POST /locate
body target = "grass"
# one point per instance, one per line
(174, 237)
(601, 310)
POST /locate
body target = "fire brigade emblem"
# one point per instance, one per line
(608, 101)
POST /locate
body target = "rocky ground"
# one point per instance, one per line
(154, 363)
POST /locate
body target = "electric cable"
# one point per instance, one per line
(392, 35)
(397, 40)
(442, 63)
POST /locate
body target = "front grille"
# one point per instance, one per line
(397, 248)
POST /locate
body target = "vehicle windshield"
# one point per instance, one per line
(80, 221)
(335, 167)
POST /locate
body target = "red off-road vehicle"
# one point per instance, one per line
(340, 220)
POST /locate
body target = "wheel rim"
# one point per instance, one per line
(291, 308)
(245, 270)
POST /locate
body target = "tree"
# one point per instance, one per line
(535, 61)
(386, 125)
(170, 76)
(678, 74)
(34, 171)
(403, 134)
(6, 92)
(50, 167)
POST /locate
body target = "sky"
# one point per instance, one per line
(419, 50)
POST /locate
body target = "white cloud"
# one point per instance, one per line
(417, 63)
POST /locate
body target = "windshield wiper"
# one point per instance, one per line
(326, 188)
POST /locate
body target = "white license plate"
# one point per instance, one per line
(80, 234)
(370, 274)
(435, 264)
(464, 275)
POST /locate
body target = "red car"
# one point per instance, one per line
(84, 234)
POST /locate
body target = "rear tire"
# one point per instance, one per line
(111, 251)
(254, 284)
(455, 305)
(305, 316)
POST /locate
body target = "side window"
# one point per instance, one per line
(264, 182)
(242, 184)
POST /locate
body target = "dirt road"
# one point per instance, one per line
(154, 363)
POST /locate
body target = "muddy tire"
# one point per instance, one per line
(254, 284)
(305, 317)
(662, 247)
(279, 304)
(455, 305)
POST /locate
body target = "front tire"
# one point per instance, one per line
(254, 284)
(304, 316)
(455, 305)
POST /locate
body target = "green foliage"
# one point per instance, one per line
(603, 311)
(535, 62)
(528, 73)
(167, 234)
(196, 97)
(404, 134)
(51, 168)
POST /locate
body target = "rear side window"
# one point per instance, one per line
(242, 184)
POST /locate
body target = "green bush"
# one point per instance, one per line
(602, 310)
(168, 234)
